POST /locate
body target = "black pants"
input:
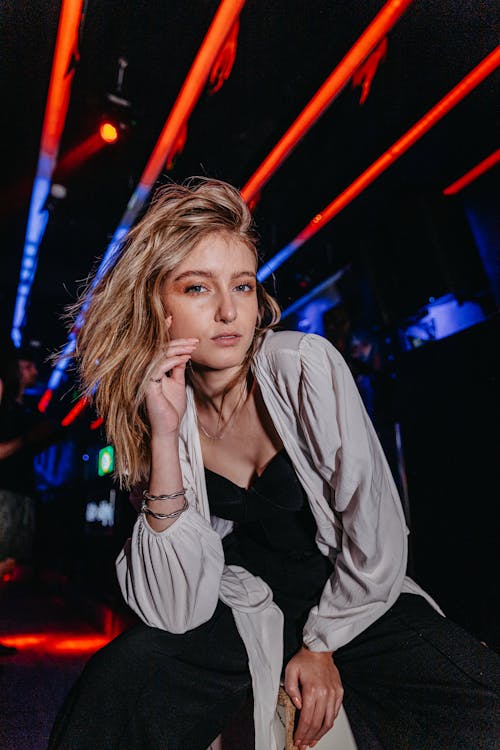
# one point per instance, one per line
(413, 681)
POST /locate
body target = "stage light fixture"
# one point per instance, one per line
(117, 113)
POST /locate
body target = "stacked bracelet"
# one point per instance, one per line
(163, 516)
(148, 496)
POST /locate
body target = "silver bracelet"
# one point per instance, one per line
(148, 496)
(163, 516)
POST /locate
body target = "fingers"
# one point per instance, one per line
(320, 709)
(167, 366)
(310, 721)
(181, 346)
(292, 685)
(329, 719)
(338, 702)
(177, 373)
(183, 342)
(176, 356)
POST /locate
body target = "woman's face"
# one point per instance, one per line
(211, 295)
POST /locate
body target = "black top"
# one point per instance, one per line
(274, 538)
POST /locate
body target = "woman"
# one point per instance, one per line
(260, 478)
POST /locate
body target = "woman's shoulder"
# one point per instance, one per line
(280, 341)
(295, 343)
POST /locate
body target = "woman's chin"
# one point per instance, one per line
(217, 364)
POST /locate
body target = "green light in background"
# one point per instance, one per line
(106, 461)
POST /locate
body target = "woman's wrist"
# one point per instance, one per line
(165, 439)
(318, 653)
(166, 475)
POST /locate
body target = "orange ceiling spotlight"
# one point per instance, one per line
(369, 41)
(473, 174)
(109, 132)
(459, 92)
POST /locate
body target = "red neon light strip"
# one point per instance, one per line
(45, 400)
(96, 423)
(61, 643)
(196, 79)
(468, 84)
(334, 84)
(473, 174)
(61, 77)
(75, 411)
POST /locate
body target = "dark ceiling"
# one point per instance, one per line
(286, 49)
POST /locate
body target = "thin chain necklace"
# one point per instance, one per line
(220, 433)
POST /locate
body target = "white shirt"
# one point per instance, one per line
(173, 579)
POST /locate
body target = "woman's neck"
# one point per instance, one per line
(213, 392)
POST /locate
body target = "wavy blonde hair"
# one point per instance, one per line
(125, 331)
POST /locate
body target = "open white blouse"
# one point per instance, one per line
(173, 579)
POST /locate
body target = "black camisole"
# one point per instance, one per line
(274, 538)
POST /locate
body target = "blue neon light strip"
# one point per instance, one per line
(313, 294)
(277, 260)
(62, 363)
(37, 222)
(53, 123)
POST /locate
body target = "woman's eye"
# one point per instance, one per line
(244, 288)
(195, 288)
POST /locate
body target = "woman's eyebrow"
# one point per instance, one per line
(211, 275)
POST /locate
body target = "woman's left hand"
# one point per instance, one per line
(313, 683)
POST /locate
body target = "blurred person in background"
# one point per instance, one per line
(23, 433)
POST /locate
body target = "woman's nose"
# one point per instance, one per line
(226, 310)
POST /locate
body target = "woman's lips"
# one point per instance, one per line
(226, 339)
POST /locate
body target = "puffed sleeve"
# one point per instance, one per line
(371, 555)
(171, 579)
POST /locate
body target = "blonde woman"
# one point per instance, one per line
(270, 539)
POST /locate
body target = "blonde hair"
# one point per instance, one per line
(124, 330)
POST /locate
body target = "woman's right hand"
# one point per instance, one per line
(166, 394)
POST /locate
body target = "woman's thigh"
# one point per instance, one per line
(416, 681)
(149, 689)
